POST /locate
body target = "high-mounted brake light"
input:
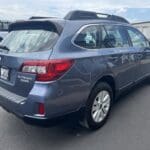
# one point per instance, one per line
(47, 70)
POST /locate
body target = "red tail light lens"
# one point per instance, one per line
(41, 109)
(47, 70)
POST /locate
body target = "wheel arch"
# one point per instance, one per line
(109, 79)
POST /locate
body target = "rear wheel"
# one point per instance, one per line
(98, 106)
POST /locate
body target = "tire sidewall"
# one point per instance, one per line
(88, 115)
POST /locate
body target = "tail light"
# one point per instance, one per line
(47, 70)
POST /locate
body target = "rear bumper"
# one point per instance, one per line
(41, 121)
(16, 109)
(23, 110)
(57, 101)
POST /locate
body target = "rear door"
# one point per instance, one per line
(26, 41)
(123, 56)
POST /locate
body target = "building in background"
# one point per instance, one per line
(144, 27)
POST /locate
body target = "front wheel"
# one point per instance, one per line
(98, 106)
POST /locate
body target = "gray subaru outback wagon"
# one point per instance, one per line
(52, 67)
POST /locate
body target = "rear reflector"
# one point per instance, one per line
(47, 70)
(41, 109)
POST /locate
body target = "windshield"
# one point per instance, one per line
(24, 41)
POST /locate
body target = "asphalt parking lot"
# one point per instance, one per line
(127, 129)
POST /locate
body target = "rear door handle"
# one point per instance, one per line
(139, 56)
(113, 58)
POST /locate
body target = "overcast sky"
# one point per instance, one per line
(134, 10)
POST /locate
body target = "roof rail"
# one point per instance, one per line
(39, 17)
(86, 15)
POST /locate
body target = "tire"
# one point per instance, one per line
(89, 119)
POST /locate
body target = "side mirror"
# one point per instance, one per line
(1, 39)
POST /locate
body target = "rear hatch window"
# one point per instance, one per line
(31, 37)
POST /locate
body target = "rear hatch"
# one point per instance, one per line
(27, 41)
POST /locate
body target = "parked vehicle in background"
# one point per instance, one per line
(3, 29)
(53, 67)
(144, 27)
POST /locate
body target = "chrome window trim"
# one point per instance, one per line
(88, 25)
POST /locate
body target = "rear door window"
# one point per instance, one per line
(116, 37)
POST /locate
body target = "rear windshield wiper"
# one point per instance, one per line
(4, 47)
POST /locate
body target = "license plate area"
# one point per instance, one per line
(4, 73)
